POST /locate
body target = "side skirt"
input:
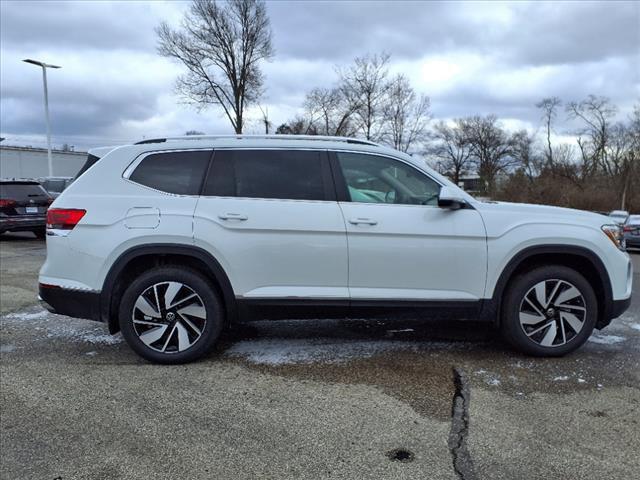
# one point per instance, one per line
(288, 309)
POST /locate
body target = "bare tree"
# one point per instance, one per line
(405, 115)
(549, 107)
(365, 84)
(193, 132)
(330, 111)
(524, 152)
(452, 149)
(596, 115)
(221, 46)
(491, 148)
(265, 119)
(297, 126)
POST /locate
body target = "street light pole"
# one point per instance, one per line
(46, 107)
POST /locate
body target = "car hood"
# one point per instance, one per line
(522, 213)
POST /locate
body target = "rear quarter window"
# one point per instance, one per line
(180, 173)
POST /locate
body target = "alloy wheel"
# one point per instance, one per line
(552, 313)
(169, 317)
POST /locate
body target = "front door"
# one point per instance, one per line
(402, 246)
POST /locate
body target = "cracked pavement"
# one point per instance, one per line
(307, 399)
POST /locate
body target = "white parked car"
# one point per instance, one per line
(619, 216)
(171, 240)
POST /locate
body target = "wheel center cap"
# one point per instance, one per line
(551, 312)
(170, 317)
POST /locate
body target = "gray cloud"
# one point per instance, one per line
(469, 57)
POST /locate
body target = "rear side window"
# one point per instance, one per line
(181, 173)
(21, 191)
(281, 174)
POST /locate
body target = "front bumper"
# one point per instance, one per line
(73, 303)
(619, 307)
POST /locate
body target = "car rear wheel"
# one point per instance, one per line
(171, 315)
(549, 311)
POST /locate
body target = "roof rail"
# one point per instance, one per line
(261, 137)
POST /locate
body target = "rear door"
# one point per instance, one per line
(402, 246)
(271, 218)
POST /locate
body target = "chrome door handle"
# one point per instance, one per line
(362, 221)
(232, 216)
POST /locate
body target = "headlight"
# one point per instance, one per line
(614, 232)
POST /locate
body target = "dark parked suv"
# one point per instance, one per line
(23, 207)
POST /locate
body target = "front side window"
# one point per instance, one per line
(374, 179)
(180, 173)
(281, 174)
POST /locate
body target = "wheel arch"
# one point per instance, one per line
(138, 259)
(581, 259)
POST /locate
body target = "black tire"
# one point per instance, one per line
(206, 297)
(40, 233)
(514, 301)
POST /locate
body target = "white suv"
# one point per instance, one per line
(171, 240)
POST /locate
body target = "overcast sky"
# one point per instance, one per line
(470, 58)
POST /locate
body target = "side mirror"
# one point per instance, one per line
(450, 199)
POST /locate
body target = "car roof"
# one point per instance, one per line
(633, 219)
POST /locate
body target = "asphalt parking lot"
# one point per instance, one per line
(309, 399)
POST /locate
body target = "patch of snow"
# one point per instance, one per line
(606, 339)
(494, 382)
(291, 351)
(27, 316)
(561, 378)
(635, 326)
(582, 380)
(93, 336)
(104, 339)
(7, 348)
(92, 353)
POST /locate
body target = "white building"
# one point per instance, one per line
(28, 162)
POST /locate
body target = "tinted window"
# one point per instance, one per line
(21, 191)
(91, 160)
(173, 172)
(373, 179)
(283, 174)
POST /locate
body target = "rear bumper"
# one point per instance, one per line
(22, 223)
(73, 303)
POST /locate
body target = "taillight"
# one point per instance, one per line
(64, 218)
(627, 229)
(6, 202)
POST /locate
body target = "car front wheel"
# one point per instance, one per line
(171, 315)
(549, 311)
